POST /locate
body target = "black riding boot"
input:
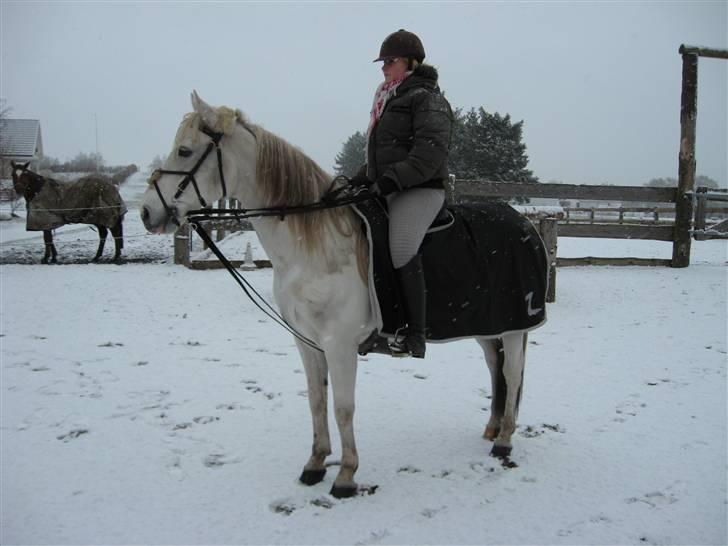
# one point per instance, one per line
(412, 283)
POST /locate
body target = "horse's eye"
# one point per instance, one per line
(184, 151)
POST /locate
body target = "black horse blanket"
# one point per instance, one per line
(486, 274)
(91, 199)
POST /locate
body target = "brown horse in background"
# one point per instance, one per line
(92, 199)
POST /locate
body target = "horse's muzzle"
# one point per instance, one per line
(161, 224)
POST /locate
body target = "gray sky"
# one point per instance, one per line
(596, 83)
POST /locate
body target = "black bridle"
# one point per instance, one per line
(189, 176)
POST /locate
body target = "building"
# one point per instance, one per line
(20, 141)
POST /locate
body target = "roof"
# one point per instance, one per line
(20, 137)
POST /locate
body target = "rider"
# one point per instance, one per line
(408, 140)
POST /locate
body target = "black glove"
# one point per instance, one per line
(360, 181)
(384, 186)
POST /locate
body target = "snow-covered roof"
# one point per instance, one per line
(20, 138)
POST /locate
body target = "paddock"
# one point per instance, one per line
(152, 423)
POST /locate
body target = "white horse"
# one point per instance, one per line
(318, 264)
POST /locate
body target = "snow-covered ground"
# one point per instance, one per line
(150, 404)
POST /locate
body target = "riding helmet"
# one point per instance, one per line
(402, 44)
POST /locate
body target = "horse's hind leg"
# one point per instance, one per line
(102, 240)
(50, 248)
(514, 357)
(493, 351)
(314, 362)
(117, 232)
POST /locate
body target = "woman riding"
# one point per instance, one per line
(408, 140)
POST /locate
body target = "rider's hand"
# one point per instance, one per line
(360, 181)
(384, 186)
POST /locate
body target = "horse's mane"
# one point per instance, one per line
(288, 177)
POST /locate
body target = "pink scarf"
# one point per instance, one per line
(384, 92)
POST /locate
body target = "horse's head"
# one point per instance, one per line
(212, 153)
(26, 182)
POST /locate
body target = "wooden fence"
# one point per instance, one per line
(623, 227)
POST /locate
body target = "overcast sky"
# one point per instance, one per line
(597, 84)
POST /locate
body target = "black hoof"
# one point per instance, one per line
(501, 452)
(312, 477)
(343, 492)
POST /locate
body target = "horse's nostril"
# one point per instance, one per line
(145, 214)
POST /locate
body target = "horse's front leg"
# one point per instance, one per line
(103, 232)
(342, 361)
(314, 362)
(514, 347)
(50, 249)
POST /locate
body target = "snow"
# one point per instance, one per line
(150, 404)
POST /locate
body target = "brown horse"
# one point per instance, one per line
(92, 199)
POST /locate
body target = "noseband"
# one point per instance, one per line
(189, 176)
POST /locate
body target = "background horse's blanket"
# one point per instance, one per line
(92, 199)
(486, 274)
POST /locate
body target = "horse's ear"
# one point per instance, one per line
(208, 113)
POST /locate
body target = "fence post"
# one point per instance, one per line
(700, 211)
(220, 231)
(182, 245)
(548, 228)
(686, 168)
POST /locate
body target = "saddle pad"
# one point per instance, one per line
(486, 275)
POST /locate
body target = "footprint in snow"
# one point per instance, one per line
(72, 435)
(111, 344)
(654, 499)
(205, 419)
(218, 460)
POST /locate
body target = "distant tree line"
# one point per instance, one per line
(700, 181)
(81, 163)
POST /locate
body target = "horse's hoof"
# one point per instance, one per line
(312, 477)
(344, 492)
(491, 433)
(501, 452)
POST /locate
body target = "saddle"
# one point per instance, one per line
(486, 272)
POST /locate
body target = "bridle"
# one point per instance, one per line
(189, 176)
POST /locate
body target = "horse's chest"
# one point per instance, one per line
(313, 299)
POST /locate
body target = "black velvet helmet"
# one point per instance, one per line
(402, 44)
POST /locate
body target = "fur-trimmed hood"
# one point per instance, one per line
(426, 71)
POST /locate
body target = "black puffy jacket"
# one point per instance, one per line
(411, 140)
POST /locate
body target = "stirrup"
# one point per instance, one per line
(398, 346)
(408, 345)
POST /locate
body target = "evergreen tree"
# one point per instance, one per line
(488, 147)
(351, 157)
